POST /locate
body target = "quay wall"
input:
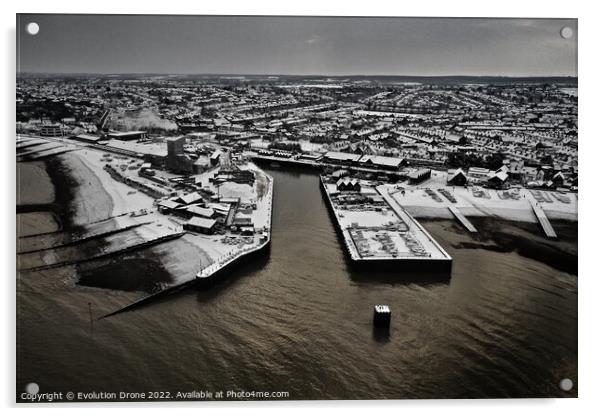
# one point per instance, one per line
(222, 272)
(205, 283)
(288, 163)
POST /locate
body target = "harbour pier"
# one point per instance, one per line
(378, 233)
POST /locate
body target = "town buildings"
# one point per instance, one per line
(390, 125)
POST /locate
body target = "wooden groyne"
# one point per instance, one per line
(543, 220)
(151, 298)
(86, 238)
(463, 220)
(110, 254)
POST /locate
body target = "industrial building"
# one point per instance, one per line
(177, 160)
(201, 225)
(52, 130)
(420, 175)
(456, 177)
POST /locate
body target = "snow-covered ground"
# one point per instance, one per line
(124, 198)
(512, 205)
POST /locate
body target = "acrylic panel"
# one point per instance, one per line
(293, 208)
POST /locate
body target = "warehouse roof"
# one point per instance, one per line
(201, 222)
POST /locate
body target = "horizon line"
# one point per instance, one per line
(297, 75)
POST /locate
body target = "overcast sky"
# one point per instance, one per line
(296, 45)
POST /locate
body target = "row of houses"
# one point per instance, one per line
(476, 175)
(498, 178)
(348, 185)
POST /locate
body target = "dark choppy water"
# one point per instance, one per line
(503, 325)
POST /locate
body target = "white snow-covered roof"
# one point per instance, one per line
(382, 308)
(476, 169)
(347, 181)
(88, 137)
(202, 161)
(381, 160)
(452, 174)
(224, 208)
(339, 173)
(418, 173)
(352, 157)
(169, 204)
(190, 198)
(502, 176)
(155, 149)
(201, 212)
(201, 222)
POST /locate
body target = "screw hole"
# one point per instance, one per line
(566, 32)
(566, 384)
(32, 388)
(32, 28)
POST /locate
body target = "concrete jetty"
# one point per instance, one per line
(378, 233)
(213, 271)
(463, 220)
(543, 220)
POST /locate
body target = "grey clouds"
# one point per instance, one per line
(296, 45)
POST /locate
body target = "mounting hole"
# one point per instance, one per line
(566, 32)
(32, 28)
(566, 384)
(32, 388)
